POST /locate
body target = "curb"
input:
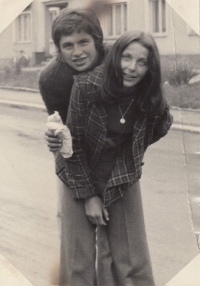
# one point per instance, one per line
(20, 88)
(22, 105)
(184, 109)
(187, 128)
(31, 106)
(37, 91)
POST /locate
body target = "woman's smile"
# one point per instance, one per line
(129, 76)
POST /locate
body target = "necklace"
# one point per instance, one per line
(122, 120)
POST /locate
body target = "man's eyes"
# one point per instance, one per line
(67, 46)
(84, 42)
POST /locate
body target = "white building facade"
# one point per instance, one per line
(31, 30)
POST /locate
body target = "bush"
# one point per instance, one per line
(180, 74)
(184, 96)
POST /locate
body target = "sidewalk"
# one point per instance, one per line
(184, 119)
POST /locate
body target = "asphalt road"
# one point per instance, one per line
(28, 231)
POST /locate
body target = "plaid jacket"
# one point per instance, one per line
(87, 120)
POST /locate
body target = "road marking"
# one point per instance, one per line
(188, 276)
(10, 276)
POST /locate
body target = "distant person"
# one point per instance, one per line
(24, 59)
(20, 61)
(116, 111)
(16, 65)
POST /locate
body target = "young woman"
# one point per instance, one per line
(116, 111)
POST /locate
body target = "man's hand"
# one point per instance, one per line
(53, 142)
(95, 211)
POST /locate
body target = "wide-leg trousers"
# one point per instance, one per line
(123, 256)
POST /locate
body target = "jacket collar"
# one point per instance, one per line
(95, 79)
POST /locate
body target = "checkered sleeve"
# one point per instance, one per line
(163, 122)
(76, 167)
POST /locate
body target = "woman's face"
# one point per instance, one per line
(134, 64)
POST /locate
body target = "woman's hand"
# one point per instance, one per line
(53, 142)
(95, 211)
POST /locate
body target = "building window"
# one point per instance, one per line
(54, 12)
(23, 27)
(116, 18)
(158, 16)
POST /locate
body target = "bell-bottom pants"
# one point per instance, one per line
(112, 255)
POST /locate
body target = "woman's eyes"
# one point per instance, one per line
(126, 57)
(142, 63)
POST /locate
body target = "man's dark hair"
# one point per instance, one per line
(70, 21)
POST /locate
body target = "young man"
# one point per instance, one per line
(79, 40)
(78, 37)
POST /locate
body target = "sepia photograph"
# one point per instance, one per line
(100, 144)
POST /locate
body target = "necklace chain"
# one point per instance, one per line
(122, 120)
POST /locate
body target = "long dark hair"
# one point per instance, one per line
(70, 21)
(149, 97)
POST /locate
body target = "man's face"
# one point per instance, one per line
(79, 51)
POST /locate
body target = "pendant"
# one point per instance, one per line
(122, 120)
